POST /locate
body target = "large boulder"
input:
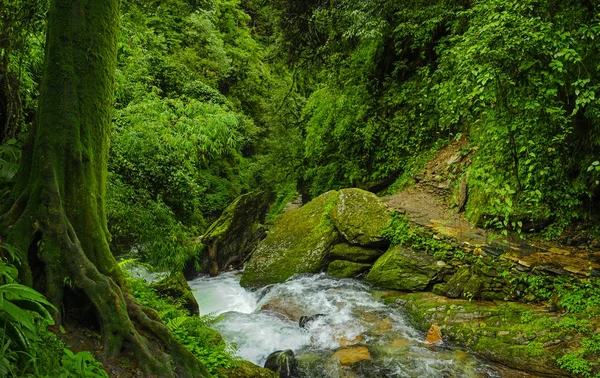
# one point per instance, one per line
(232, 237)
(346, 269)
(176, 287)
(403, 268)
(354, 253)
(298, 242)
(361, 217)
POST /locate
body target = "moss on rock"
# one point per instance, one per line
(403, 268)
(298, 242)
(354, 253)
(517, 335)
(175, 286)
(346, 269)
(361, 217)
(246, 369)
(232, 237)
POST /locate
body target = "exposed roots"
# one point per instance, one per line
(127, 328)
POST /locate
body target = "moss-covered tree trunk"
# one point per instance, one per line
(57, 213)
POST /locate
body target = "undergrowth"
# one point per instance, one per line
(194, 332)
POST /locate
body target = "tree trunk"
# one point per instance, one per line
(57, 213)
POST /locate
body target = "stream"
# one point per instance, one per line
(351, 315)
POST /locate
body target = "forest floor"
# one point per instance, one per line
(433, 201)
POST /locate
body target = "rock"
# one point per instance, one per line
(354, 253)
(175, 286)
(298, 242)
(285, 307)
(454, 287)
(246, 369)
(306, 320)
(344, 342)
(347, 269)
(361, 217)
(434, 335)
(232, 237)
(403, 268)
(282, 362)
(479, 326)
(352, 355)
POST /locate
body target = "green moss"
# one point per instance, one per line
(346, 269)
(176, 287)
(354, 253)
(403, 268)
(246, 369)
(298, 242)
(236, 233)
(361, 217)
(498, 332)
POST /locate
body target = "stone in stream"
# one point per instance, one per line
(175, 286)
(434, 335)
(306, 320)
(352, 355)
(282, 362)
(404, 268)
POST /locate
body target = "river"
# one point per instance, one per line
(350, 316)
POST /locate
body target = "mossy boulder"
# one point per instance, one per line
(361, 217)
(232, 237)
(298, 242)
(355, 253)
(176, 287)
(404, 268)
(346, 269)
(246, 369)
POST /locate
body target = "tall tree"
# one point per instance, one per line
(57, 212)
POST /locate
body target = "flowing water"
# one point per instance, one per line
(266, 320)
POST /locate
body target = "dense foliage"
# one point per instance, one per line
(520, 79)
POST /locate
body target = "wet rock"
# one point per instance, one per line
(354, 253)
(403, 268)
(361, 217)
(352, 355)
(283, 362)
(306, 320)
(246, 369)
(344, 342)
(175, 286)
(298, 242)
(347, 269)
(232, 237)
(285, 307)
(434, 335)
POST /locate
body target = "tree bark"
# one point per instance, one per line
(57, 213)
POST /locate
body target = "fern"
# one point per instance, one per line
(176, 323)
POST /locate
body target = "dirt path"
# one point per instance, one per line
(426, 205)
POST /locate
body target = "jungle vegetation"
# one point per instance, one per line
(131, 125)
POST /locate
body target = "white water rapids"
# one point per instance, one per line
(352, 315)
